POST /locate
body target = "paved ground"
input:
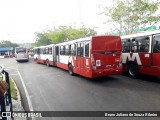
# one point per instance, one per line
(53, 89)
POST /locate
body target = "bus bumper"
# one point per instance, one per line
(106, 72)
(22, 59)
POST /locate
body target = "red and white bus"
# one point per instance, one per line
(90, 57)
(44, 54)
(141, 53)
(21, 54)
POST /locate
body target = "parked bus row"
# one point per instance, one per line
(101, 55)
(90, 57)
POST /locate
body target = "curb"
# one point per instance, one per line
(17, 90)
(17, 104)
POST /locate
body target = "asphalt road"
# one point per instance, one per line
(53, 89)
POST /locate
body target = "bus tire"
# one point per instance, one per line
(70, 69)
(132, 70)
(47, 63)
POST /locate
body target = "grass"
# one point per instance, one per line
(12, 88)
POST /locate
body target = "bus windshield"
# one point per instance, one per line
(20, 50)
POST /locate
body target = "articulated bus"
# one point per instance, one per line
(90, 57)
(141, 53)
(21, 54)
(44, 54)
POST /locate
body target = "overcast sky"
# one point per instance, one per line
(20, 19)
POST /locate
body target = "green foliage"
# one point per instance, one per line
(63, 33)
(7, 44)
(42, 39)
(13, 90)
(128, 15)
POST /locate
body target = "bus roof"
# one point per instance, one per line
(45, 46)
(79, 40)
(141, 34)
(73, 41)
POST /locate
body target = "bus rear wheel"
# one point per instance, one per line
(133, 70)
(70, 69)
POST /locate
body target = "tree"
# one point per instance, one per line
(129, 15)
(42, 39)
(63, 33)
(66, 33)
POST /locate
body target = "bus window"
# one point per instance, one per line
(82, 49)
(134, 46)
(141, 43)
(86, 49)
(67, 50)
(38, 50)
(21, 50)
(41, 50)
(62, 50)
(73, 49)
(50, 50)
(47, 50)
(78, 49)
(44, 50)
(156, 45)
(126, 45)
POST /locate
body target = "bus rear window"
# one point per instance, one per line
(20, 50)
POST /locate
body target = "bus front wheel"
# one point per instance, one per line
(133, 70)
(70, 69)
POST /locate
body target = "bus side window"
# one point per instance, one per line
(38, 51)
(73, 49)
(86, 49)
(143, 43)
(44, 50)
(50, 50)
(78, 49)
(47, 50)
(156, 46)
(134, 46)
(67, 50)
(82, 49)
(126, 45)
(41, 50)
(62, 50)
